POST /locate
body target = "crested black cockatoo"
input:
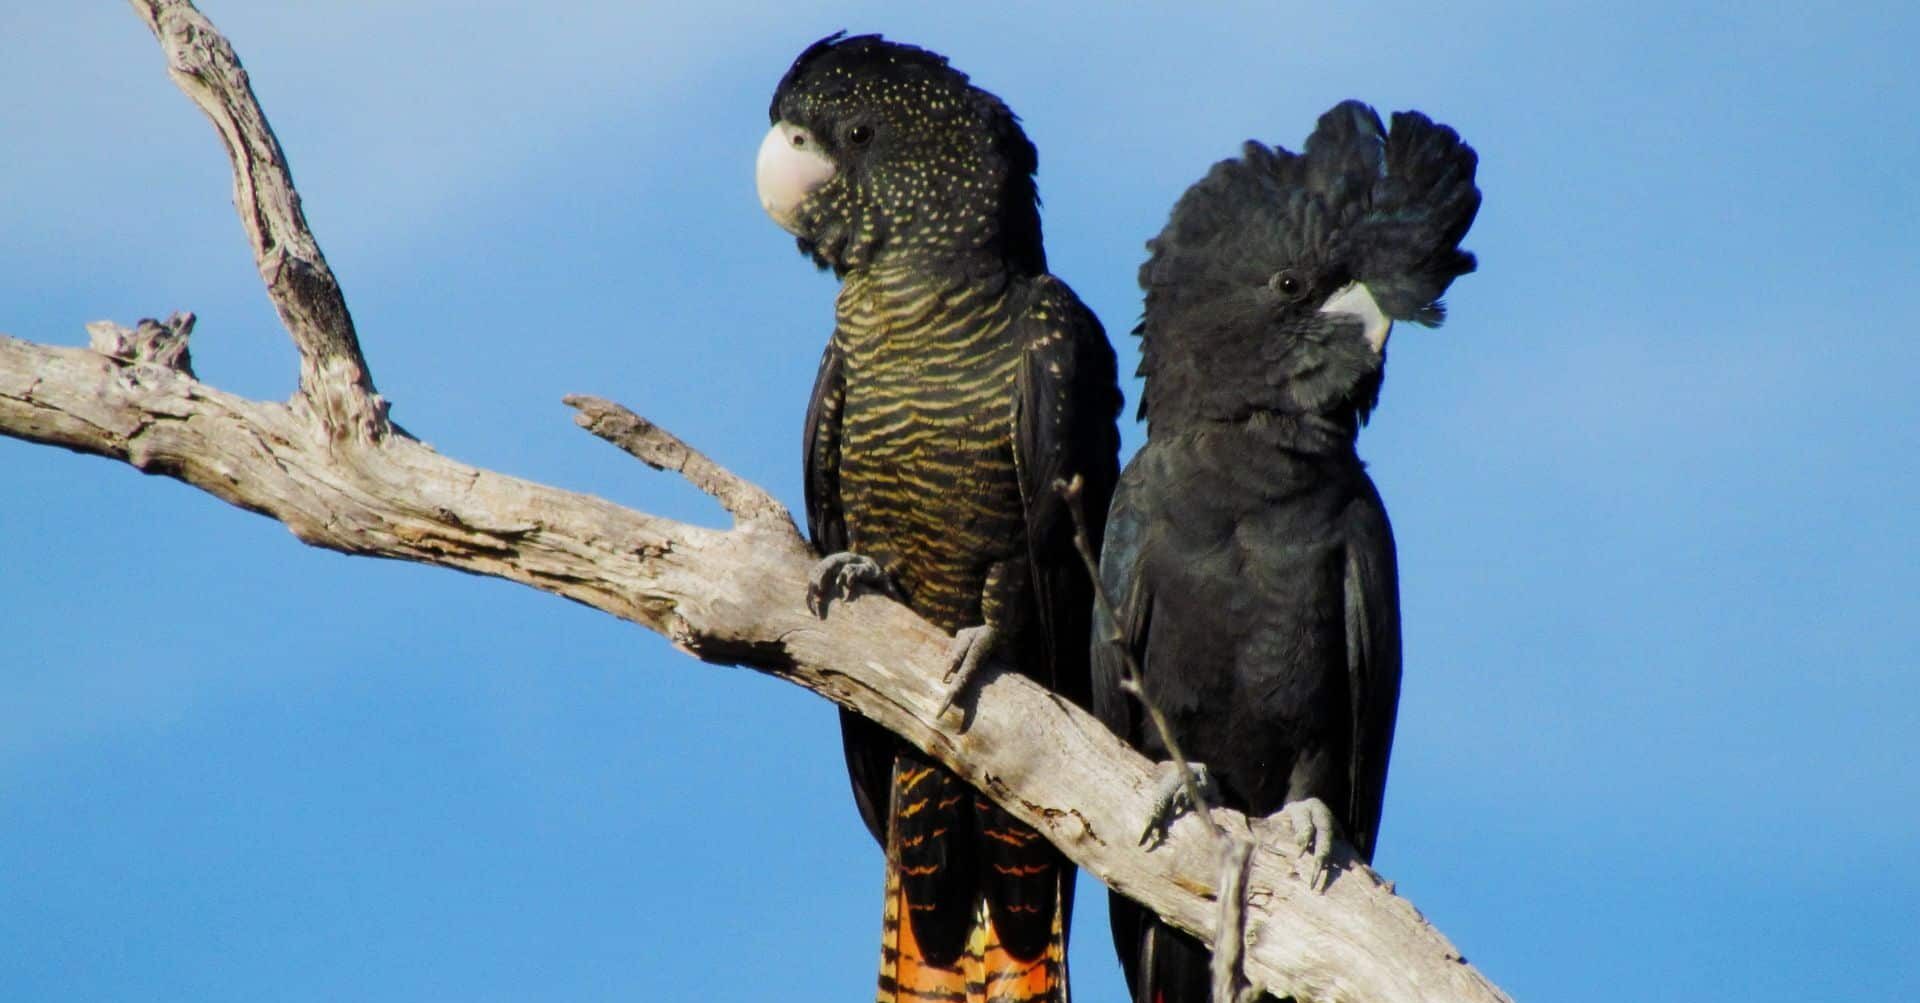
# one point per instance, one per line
(960, 383)
(1248, 556)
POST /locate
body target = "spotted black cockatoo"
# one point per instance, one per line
(961, 381)
(1248, 556)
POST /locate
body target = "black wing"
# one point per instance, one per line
(868, 746)
(1159, 961)
(1065, 407)
(826, 521)
(1121, 632)
(1373, 661)
(1067, 402)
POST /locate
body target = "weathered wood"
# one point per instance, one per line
(334, 380)
(736, 596)
(330, 468)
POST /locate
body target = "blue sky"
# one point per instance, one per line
(1654, 487)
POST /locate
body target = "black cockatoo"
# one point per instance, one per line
(1247, 554)
(961, 381)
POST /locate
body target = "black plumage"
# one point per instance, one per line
(1248, 555)
(960, 381)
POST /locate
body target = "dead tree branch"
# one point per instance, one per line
(330, 467)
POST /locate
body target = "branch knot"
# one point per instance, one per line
(150, 342)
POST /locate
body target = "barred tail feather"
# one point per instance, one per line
(907, 975)
(997, 975)
(985, 972)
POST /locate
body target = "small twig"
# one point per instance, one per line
(1229, 942)
(1130, 679)
(662, 450)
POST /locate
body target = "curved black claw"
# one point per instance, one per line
(970, 647)
(1313, 829)
(1172, 798)
(844, 576)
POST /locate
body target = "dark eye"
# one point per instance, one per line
(860, 135)
(1288, 284)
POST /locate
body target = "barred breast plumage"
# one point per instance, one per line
(930, 487)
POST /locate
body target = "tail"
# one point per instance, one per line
(1162, 965)
(977, 904)
(997, 974)
(985, 972)
(908, 972)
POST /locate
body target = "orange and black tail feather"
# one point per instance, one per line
(907, 973)
(976, 908)
(1019, 931)
(997, 975)
(985, 972)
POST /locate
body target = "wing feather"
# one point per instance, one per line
(1373, 661)
(1067, 400)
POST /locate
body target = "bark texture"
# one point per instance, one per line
(330, 467)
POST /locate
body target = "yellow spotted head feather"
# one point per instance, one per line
(923, 163)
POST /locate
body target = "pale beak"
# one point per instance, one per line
(789, 168)
(1356, 300)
